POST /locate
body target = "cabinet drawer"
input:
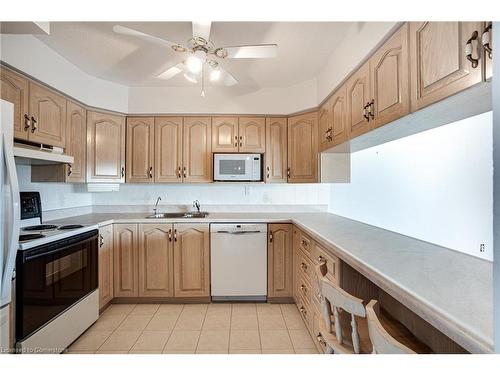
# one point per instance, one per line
(305, 269)
(304, 289)
(320, 255)
(316, 333)
(305, 312)
(305, 243)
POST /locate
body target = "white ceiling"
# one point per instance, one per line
(97, 50)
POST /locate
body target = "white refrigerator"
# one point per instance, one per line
(10, 212)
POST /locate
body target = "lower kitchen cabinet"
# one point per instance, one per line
(125, 261)
(105, 265)
(156, 260)
(191, 260)
(280, 261)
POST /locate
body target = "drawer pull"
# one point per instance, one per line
(320, 339)
(303, 266)
(304, 243)
(303, 288)
(303, 310)
(321, 260)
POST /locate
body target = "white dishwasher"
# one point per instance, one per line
(238, 262)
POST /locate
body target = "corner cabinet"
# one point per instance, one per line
(14, 89)
(439, 64)
(105, 148)
(76, 133)
(191, 260)
(197, 149)
(105, 265)
(140, 149)
(125, 260)
(276, 150)
(303, 148)
(280, 261)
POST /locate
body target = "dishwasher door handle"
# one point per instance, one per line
(239, 232)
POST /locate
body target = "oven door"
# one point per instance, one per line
(51, 278)
(233, 167)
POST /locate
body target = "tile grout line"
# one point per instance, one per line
(113, 331)
(258, 330)
(172, 330)
(201, 329)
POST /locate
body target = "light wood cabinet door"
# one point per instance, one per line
(439, 66)
(338, 109)
(303, 148)
(252, 134)
(325, 126)
(276, 150)
(140, 149)
(390, 81)
(358, 97)
(156, 260)
(76, 144)
(224, 134)
(125, 261)
(48, 116)
(105, 147)
(196, 149)
(280, 261)
(191, 260)
(168, 149)
(14, 89)
(105, 265)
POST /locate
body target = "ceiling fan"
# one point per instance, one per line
(200, 55)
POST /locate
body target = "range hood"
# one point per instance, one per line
(27, 154)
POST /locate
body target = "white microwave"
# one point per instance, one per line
(237, 167)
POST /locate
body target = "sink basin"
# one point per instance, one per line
(178, 215)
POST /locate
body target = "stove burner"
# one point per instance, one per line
(39, 227)
(71, 226)
(28, 237)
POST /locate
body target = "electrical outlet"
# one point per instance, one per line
(482, 247)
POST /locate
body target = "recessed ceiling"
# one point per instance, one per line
(97, 50)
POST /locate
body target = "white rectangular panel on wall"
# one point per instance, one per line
(436, 186)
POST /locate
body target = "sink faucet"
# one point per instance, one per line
(196, 204)
(156, 205)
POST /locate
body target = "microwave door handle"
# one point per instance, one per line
(5, 292)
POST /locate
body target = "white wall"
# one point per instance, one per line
(436, 186)
(31, 56)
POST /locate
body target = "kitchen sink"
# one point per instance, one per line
(178, 215)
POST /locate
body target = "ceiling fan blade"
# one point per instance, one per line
(202, 29)
(148, 38)
(258, 51)
(172, 71)
(227, 78)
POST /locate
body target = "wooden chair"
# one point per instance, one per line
(346, 311)
(382, 341)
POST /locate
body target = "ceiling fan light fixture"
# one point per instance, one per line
(191, 77)
(194, 64)
(215, 75)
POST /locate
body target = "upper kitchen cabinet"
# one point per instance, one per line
(487, 42)
(14, 89)
(441, 62)
(105, 147)
(197, 154)
(303, 148)
(47, 116)
(140, 149)
(358, 101)
(191, 260)
(225, 134)
(325, 126)
(276, 150)
(338, 110)
(252, 134)
(168, 149)
(76, 132)
(390, 81)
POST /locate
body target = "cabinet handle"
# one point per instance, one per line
(101, 240)
(267, 168)
(365, 112)
(303, 266)
(175, 235)
(241, 140)
(170, 235)
(486, 40)
(288, 172)
(179, 172)
(320, 339)
(150, 172)
(303, 243)
(70, 169)
(321, 259)
(27, 122)
(468, 50)
(34, 126)
(270, 236)
(123, 172)
(235, 141)
(371, 107)
(303, 288)
(184, 172)
(303, 310)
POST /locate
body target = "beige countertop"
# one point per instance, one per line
(451, 290)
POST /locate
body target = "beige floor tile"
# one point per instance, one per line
(293, 321)
(145, 309)
(217, 320)
(170, 351)
(245, 351)
(183, 340)
(119, 308)
(301, 339)
(306, 351)
(216, 340)
(151, 340)
(108, 322)
(219, 307)
(271, 321)
(211, 352)
(243, 309)
(244, 322)
(190, 320)
(277, 339)
(79, 352)
(195, 307)
(145, 352)
(278, 351)
(168, 309)
(288, 307)
(90, 340)
(121, 340)
(112, 352)
(244, 339)
(134, 323)
(161, 322)
(268, 308)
